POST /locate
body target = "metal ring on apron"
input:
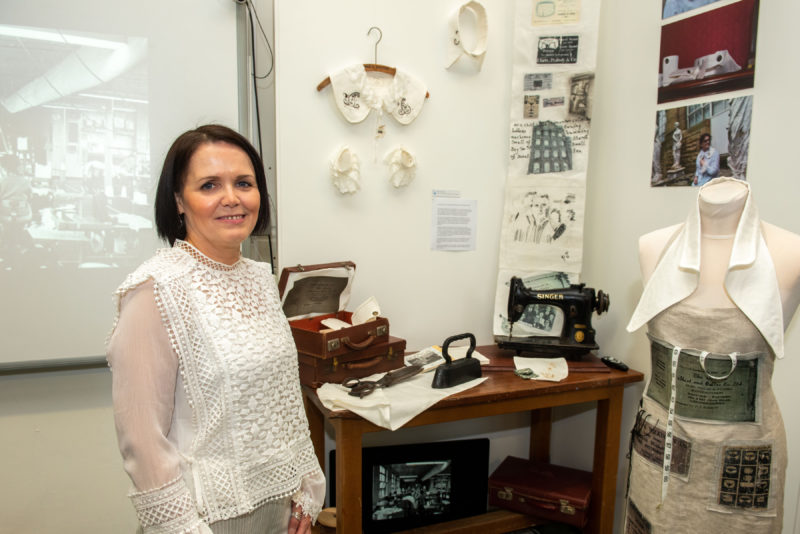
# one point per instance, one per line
(732, 356)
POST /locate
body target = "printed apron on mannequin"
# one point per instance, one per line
(723, 469)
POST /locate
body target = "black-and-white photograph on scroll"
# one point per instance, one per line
(541, 147)
(581, 88)
(543, 224)
(708, 53)
(557, 49)
(551, 148)
(670, 8)
(696, 143)
(75, 182)
(557, 96)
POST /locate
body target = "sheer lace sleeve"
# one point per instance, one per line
(144, 373)
(311, 494)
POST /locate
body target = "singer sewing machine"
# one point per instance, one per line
(577, 302)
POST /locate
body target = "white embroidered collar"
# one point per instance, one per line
(751, 281)
(456, 47)
(356, 94)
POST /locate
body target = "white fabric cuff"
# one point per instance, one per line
(311, 494)
(402, 167)
(169, 509)
(345, 171)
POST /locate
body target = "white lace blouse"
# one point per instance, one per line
(206, 394)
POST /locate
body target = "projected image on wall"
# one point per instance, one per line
(75, 181)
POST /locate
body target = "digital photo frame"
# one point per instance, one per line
(419, 484)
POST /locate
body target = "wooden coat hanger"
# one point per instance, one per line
(369, 67)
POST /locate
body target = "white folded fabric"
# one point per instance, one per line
(550, 369)
(394, 406)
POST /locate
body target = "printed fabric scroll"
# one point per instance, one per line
(555, 51)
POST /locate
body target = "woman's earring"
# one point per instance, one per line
(402, 167)
(345, 171)
(180, 220)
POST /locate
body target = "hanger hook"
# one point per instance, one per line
(380, 36)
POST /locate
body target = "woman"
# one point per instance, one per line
(707, 162)
(206, 393)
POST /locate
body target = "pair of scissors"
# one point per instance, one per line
(362, 388)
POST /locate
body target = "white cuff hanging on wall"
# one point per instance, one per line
(402, 167)
(345, 171)
(467, 20)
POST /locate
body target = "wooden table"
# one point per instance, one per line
(502, 393)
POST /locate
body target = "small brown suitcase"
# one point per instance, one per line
(312, 293)
(542, 490)
(315, 371)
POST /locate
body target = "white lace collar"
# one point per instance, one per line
(356, 94)
(455, 43)
(194, 252)
(751, 281)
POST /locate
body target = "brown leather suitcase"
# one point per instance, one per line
(312, 293)
(542, 490)
(383, 357)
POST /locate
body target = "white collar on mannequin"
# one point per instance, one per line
(750, 281)
(456, 47)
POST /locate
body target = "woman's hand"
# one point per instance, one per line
(299, 523)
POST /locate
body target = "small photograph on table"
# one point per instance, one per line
(696, 143)
(709, 53)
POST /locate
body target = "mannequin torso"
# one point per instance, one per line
(712, 304)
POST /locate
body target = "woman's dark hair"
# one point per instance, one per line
(703, 137)
(176, 164)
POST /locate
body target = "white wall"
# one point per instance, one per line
(460, 142)
(56, 442)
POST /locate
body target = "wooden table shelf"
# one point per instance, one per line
(502, 393)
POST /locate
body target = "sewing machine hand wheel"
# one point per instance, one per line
(602, 303)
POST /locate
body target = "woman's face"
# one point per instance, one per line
(219, 200)
(705, 144)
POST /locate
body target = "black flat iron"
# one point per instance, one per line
(452, 373)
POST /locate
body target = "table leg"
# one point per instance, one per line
(606, 453)
(348, 476)
(316, 426)
(541, 424)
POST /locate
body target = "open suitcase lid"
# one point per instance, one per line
(312, 290)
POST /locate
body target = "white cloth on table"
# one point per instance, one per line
(394, 406)
(550, 369)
